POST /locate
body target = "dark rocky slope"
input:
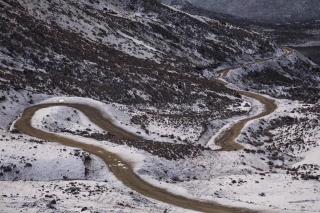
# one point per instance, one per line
(130, 52)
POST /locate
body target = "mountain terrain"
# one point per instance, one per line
(302, 35)
(152, 108)
(271, 11)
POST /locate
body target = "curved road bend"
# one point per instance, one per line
(123, 170)
(227, 139)
(120, 168)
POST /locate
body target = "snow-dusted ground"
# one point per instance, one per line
(276, 171)
(63, 118)
(225, 177)
(30, 159)
(310, 157)
(245, 178)
(252, 106)
(281, 77)
(122, 116)
(75, 196)
(108, 195)
(38, 176)
(14, 104)
(40, 188)
(270, 192)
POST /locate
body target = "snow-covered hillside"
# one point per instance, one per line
(155, 72)
(293, 76)
(129, 53)
(262, 10)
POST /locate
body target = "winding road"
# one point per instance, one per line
(123, 170)
(227, 139)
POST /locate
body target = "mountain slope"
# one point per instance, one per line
(127, 52)
(262, 10)
(171, 81)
